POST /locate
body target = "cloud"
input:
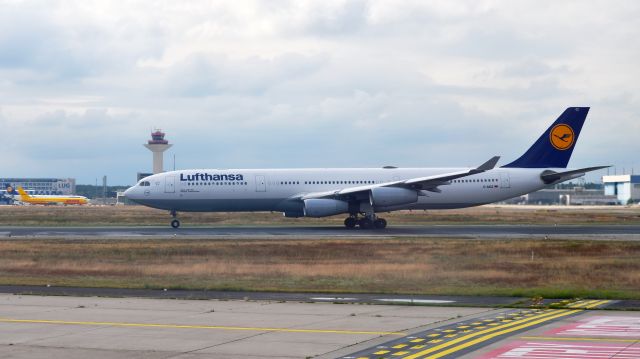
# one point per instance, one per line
(533, 68)
(200, 75)
(307, 83)
(52, 44)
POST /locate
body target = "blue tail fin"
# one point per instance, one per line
(554, 147)
(10, 189)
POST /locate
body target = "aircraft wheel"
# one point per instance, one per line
(350, 222)
(175, 223)
(365, 223)
(380, 223)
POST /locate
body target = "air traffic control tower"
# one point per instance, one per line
(157, 144)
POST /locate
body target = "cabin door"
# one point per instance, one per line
(505, 181)
(169, 184)
(261, 184)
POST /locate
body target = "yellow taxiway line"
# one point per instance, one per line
(179, 326)
(587, 304)
(597, 303)
(490, 333)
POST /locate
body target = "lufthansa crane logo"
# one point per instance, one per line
(561, 137)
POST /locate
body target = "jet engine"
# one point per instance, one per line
(324, 207)
(392, 196)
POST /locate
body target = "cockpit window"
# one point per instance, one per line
(145, 183)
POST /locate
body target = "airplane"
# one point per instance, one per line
(361, 193)
(48, 199)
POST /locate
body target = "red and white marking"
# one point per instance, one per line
(602, 326)
(559, 350)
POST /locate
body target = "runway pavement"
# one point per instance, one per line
(346, 298)
(72, 327)
(622, 232)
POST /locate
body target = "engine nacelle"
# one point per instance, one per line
(392, 196)
(324, 207)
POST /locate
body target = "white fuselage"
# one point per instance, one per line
(280, 189)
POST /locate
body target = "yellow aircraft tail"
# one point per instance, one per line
(23, 194)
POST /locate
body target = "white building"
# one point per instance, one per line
(625, 187)
(574, 196)
(50, 186)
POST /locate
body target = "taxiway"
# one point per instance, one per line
(80, 327)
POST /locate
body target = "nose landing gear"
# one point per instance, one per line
(175, 223)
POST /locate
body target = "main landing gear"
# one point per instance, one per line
(175, 223)
(367, 222)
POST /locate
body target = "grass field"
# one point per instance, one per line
(138, 215)
(551, 269)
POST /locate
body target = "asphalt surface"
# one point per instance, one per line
(624, 232)
(94, 327)
(344, 298)
(359, 298)
(114, 328)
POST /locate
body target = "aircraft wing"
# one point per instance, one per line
(429, 183)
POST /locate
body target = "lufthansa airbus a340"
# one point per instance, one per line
(362, 192)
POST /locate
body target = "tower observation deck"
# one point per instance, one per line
(157, 144)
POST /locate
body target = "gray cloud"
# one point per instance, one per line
(199, 75)
(297, 83)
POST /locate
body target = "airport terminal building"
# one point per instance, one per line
(50, 186)
(625, 187)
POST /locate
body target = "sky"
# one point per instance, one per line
(277, 84)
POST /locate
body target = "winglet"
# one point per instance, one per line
(489, 165)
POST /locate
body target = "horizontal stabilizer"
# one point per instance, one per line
(550, 177)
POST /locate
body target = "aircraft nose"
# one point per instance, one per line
(129, 193)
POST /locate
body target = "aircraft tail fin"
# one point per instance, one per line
(553, 149)
(10, 190)
(23, 193)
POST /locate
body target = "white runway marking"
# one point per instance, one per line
(421, 301)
